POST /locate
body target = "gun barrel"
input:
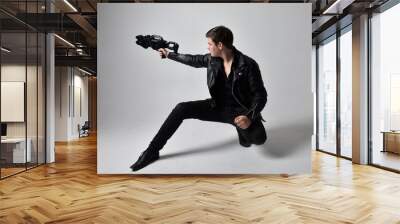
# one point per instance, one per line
(156, 42)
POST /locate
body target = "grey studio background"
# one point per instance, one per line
(137, 89)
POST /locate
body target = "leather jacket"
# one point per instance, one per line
(247, 85)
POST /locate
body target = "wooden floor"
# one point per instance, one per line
(5, 172)
(387, 159)
(8, 171)
(70, 191)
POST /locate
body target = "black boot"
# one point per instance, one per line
(147, 157)
(243, 141)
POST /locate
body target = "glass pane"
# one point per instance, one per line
(31, 101)
(41, 6)
(22, 88)
(14, 5)
(327, 97)
(346, 94)
(41, 98)
(14, 153)
(386, 89)
(314, 73)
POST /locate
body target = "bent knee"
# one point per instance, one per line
(180, 106)
(182, 110)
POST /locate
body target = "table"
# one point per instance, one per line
(13, 150)
(391, 141)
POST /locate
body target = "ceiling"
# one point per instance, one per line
(76, 22)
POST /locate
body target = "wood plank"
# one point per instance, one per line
(70, 191)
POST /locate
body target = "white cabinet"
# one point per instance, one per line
(18, 149)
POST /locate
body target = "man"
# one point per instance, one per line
(237, 95)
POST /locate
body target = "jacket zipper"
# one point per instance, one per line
(233, 84)
(252, 109)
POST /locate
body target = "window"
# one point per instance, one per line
(346, 93)
(327, 96)
(385, 89)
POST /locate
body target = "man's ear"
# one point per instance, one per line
(219, 45)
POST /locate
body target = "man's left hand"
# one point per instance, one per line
(242, 121)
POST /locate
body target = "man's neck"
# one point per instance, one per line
(227, 56)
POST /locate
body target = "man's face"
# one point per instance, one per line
(215, 50)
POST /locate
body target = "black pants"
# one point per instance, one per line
(202, 110)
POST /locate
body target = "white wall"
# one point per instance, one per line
(137, 89)
(61, 103)
(12, 101)
(67, 80)
(33, 127)
(80, 83)
(16, 72)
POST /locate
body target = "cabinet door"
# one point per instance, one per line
(392, 142)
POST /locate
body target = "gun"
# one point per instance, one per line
(156, 42)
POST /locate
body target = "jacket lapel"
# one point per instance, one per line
(240, 64)
(216, 64)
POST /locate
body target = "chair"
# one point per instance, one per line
(84, 130)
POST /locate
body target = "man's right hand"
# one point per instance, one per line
(163, 52)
